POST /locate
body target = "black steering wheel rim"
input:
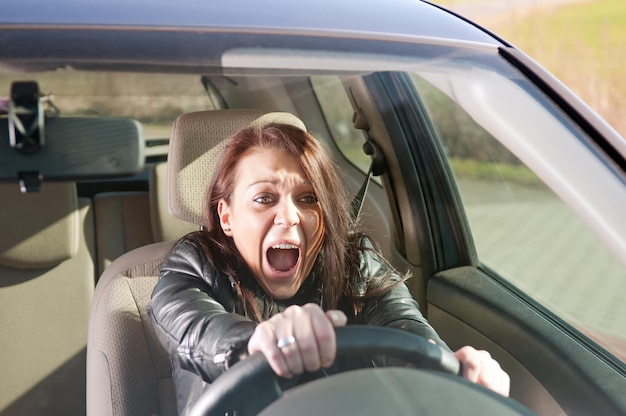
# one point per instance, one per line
(254, 379)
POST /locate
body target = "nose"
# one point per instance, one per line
(287, 213)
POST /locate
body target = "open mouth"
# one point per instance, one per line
(283, 257)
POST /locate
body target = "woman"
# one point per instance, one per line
(278, 268)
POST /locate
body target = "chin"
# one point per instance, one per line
(282, 292)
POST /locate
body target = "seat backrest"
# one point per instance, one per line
(47, 253)
(122, 224)
(128, 372)
(128, 220)
(165, 226)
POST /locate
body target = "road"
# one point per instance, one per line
(534, 240)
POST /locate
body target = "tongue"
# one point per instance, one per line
(282, 260)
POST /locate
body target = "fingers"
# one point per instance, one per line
(298, 322)
(337, 318)
(325, 338)
(264, 340)
(480, 368)
(298, 339)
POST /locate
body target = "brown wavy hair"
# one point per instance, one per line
(337, 265)
(319, 169)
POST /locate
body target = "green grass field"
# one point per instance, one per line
(592, 35)
(583, 44)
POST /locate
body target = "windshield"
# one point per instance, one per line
(514, 154)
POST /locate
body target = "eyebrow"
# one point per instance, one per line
(274, 182)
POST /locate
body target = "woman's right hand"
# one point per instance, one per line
(298, 339)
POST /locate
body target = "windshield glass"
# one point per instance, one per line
(515, 156)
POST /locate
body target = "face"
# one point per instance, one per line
(274, 219)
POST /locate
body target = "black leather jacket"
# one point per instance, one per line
(198, 319)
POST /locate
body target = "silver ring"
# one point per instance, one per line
(282, 343)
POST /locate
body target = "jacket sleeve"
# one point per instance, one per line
(395, 308)
(192, 308)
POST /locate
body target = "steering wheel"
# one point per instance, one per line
(251, 385)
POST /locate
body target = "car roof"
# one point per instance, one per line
(367, 18)
(193, 35)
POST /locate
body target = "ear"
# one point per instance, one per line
(223, 210)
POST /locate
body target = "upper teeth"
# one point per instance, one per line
(285, 246)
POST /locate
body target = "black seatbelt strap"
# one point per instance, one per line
(377, 167)
(357, 201)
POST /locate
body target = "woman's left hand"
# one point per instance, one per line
(480, 368)
(301, 338)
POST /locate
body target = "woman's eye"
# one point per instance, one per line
(309, 199)
(264, 199)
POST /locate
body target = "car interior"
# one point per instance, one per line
(83, 236)
(55, 286)
(38, 292)
(136, 379)
(102, 235)
(127, 371)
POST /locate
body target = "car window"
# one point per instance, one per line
(337, 108)
(153, 99)
(524, 232)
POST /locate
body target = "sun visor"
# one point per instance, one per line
(75, 148)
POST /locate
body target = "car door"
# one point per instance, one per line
(499, 260)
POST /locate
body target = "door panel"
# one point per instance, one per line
(543, 355)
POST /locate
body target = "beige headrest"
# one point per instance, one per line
(165, 227)
(39, 229)
(197, 142)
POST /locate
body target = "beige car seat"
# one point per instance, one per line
(47, 253)
(165, 226)
(128, 220)
(128, 372)
(122, 224)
